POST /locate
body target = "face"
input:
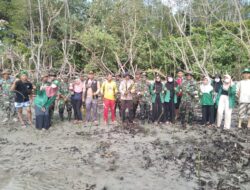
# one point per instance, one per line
(53, 86)
(246, 75)
(117, 77)
(189, 77)
(65, 80)
(127, 77)
(109, 78)
(51, 78)
(91, 76)
(24, 77)
(170, 79)
(217, 79)
(6, 76)
(227, 80)
(205, 81)
(158, 79)
(137, 76)
(45, 79)
(180, 74)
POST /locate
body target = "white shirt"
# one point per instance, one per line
(243, 88)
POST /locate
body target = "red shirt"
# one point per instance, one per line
(179, 82)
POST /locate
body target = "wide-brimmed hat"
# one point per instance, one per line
(6, 71)
(138, 72)
(247, 70)
(189, 73)
(43, 75)
(52, 74)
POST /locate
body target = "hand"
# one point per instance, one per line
(154, 91)
(43, 109)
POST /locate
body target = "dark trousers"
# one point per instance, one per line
(77, 104)
(207, 114)
(42, 118)
(68, 106)
(157, 110)
(215, 112)
(127, 104)
(169, 111)
(51, 113)
(135, 106)
(118, 105)
(144, 111)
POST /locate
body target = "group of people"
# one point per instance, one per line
(164, 100)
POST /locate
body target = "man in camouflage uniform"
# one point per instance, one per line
(64, 99)
(189, 93)
(144, 98)
(6, 96)
(136, 95)
(42, 82)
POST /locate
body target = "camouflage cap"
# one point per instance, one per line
(6, 71)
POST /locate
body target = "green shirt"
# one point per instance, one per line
(207, 99)
(42, 100)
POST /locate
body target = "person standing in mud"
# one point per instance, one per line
(64, 100)
(76, 89)
(225, 101)
(45, 97)
(136, 95)
(126, 89)
(143, 98)
(6, 95)
(179, 81)
(22, 87)
(157, 98)
(91, 90)
(109, 91)
(170, 99)
(243, 94)
(52, 77)
(217, 84)
(118, 95)
(207, 102)
(189, 93)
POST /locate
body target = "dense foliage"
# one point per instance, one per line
(116, 35)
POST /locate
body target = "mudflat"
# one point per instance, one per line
(123, 157)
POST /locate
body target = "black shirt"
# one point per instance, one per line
(23, 90)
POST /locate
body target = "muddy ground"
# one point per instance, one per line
(142, 157)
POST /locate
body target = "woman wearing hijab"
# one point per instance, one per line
(76, 99)
(216, 83)
(170, 99)
(157, 95)
(207, 102)
(225, 101)
(45, 97)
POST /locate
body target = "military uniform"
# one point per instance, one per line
(6, 96)
(189, 90)
(144, 98)
(64, 101)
